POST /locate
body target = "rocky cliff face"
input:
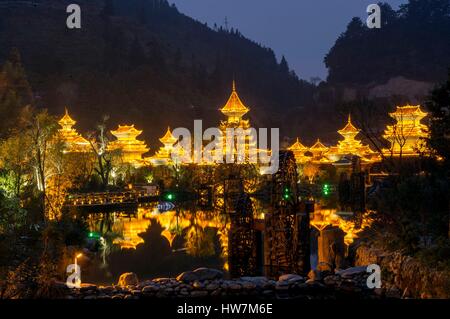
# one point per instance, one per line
(405, 275)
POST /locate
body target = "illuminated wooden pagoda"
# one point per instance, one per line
(299, 151)
(351, 146)
(234, 110)
(164, 155)
(74, 142)
(407, 134)
(131, 148)
(318, 151)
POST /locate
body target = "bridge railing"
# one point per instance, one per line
(91, 199)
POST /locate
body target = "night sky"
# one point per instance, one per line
(302, 30)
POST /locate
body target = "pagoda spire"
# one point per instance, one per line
(234, 109)
(132, 148)
(168, 138)
(73, 140)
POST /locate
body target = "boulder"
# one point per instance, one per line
(200, 274)
(128, 279)
(282, 286)
(257, 281)
(208, 274)
(212, 287)
(353, 271)
(291, 278)
(85, 287)
(187, 276)
(247, 285)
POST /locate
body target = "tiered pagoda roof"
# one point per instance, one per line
(168, 138)
(163, 155)
(73, 140)
(351, 146)
(408, 129)
(349, 129)
(234, 109)
(132, 148)
(299, 151)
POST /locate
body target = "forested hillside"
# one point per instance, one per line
(143, 62)
(413, 42)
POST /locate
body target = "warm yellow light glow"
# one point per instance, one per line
(318, 151)
(234, 109)
(74, 142)
(173, 225)
(322, 154)
(299, 151)
(79, 255)
(351, 146)
(164, 155)
(323, 218)
(132, 149)
(407, 134)
(130, 230)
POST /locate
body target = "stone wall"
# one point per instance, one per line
(403, 275)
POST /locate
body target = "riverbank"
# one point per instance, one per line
(405, 276)
(209, 283)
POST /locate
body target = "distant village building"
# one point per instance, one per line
(346, 148)
(164, 155)
(351, 146)
(299, 151)
(73, 141)
(131, 148)
(318, 151)
(234, 110)
(406, 136)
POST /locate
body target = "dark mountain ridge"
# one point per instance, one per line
(143, 62)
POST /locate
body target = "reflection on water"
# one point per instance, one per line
(152, 243)
(163, 244)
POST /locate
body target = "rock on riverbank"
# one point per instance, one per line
(210, 283)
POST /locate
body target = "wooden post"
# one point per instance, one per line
(331, 248)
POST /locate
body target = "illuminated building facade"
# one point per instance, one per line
(351, 146)
(163, 155)
(299, 151)
(234, 110)
(407, 134)
(74, 142)
(318, 151)
(131, 148)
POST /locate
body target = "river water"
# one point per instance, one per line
(153, 244)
